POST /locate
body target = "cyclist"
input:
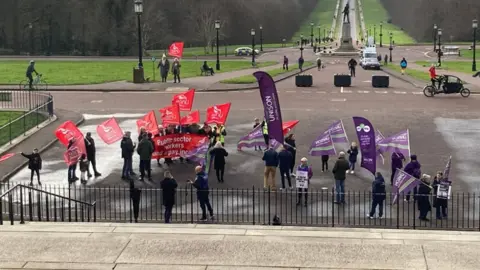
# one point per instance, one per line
(434, 78)
(30, 70)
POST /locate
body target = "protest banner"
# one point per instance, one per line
(6, 156)
(403, 183)
(323, 145)
(301, 179)
(176, 145)
(337, 132)
(399, 143)
(366, 139)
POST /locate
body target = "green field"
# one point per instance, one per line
(92, 72)
(200, 51)
(321, 16)
(469, 53)
(17, 128)
(248, 79)
(458, 66)
(374, 13)
(417, 74)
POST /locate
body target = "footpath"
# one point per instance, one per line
(230, 247)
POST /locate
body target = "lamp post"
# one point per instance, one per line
(217, 27)
(325, 34)
(261, 38)
(381, 34)
(30, 25)
(435, 37)
(391, 46)
(439, 47)
(139, 10)
(474, 61)
(311, 34)
(252, 33)
(319, 34)
(301, 46)
(375, 34)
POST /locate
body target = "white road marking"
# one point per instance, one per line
(338, 99)
(341, 89)
(117, 115)
(400, 92)
(367, 81)
(347, 92)
(306, 92)
(417, 93)
(291, 91)
(381, 92)
(321, 92)
(96, 101)
(363, 92)
(248, 91)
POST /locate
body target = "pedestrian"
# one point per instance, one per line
(164, 67)
(292, 148)
(266, 138)
(413, 169)
(270, 156)
(340, 174)
(256, 124)
(176, 70)
(128, 147)
(201, 184)
(135, 195)
(378, 196)
(439, 202)
(285, 62)
(169, 189)
(145, 151)
(34, 165)
(325, 163)
(352, 64)
(403, 65)
(284, 164)
(423, 197)
(72, 168)
(379, 58)
(304, 168)
(385, 59)
(397, 163)
(91, 155)
(219, 153)
(84, 164)
(300, 63)
(220, 134)
(352, 157)
(319, 63)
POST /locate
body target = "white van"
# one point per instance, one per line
(368, 58)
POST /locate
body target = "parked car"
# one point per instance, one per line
(369, 63)
(245, 51)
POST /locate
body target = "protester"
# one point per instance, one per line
(300, 63)
(352, 157)
(325, 163)
(91, 155)
(72, 177)
(176, 70)
(352, 64)
(135, 195)
(285, 62)
(169, 189)
(30, 70)
(142, 133)
(423, 197)
(397, 163)
(84, 163)
(340, 174)
(292, 148)
(256, 124)
(220, 133)
(284, 163)
(319, 63)
(440, 204)
(413, 169)
(219, 153)
(378, 196)
(403, 65)
(207, 69)
(128, 147)
(158, 135)
(34, 165)
(201, 184)
(270, 156)
(265, 132)
(164, 67)
(145, 151)
(304, 167)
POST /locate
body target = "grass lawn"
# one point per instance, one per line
(417, 74)
(18, 127)
(200, 51)
(92, 72)
(459, 66)
(248, 79)
(374, 13)
(469, 53)
(321, 16)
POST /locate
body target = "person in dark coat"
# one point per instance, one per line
(83, 163)
(292, 148)
(135, 195)
(207, 69)
(340, 174)
(352, 157)
(284, 163)
(413, 168)
(128, 147)
(301, 61)
(34, 165)
(423, 197)
(201, 184)
(158, 135)
(143, 132)
(145, 151)
(325, 163)
(91, 154)
(352, 64)
(270, 156)
(169, 189)
(440, 204)
(219, 153)
(72, 177)
(176, 70)
(397, 163)
(164, 67)
(378, 196)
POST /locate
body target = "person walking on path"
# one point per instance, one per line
(91, 155)
(300, 63)
(34, 165)
(319, 64)
(352, 64)
(325, 163)
(423, 197)
(352, 157)
(135, 195)
(304, 168)
(285, 62)
(145, 151)
(169, 189)
(128, 147)
(403, 65)
(201, 184)
(385, 60)
(164, 67)
(284, 164)
(271, 163)
(340, 174)
(378, 196)
(219, 153)
(83, 163)
(176, 70)
(397, 163)
(292, 148)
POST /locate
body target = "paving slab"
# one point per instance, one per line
(54, 228)
(331, 234)
(70, 266)
(439, 236)
(13, 265)
(453, 256)
(158, 267)
(178, 230)
(247, 268)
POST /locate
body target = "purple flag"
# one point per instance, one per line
(446, 172)
(323, 145)
(271, 105)
(252, 139)
(199, 153)
(403, 183)
(378, 137)
(337, 132)
(399, 142)
(366, 139)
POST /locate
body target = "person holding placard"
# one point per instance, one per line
(441, 193)
(303, 176)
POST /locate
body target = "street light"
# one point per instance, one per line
(217, 27)
(301, 46)
(391, 46)
(139, 10)
(252, 32)
(375, 34)
(30, 25)
(319, 34)
(435, 37)
(381, 34)
(439, 47)
(261, 38)
(311, 34)
(474, 26)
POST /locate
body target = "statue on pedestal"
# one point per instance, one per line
(346, 12)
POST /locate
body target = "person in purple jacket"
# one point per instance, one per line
(397, 163)
(413, 168)
(304, 167)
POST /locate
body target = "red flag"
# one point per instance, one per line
(218, 114)
(66, 131)
(192, 118)
(73, 154)
(6, 156)
(176, 49)
(288, 126)
(149, 122)
(109, 131)
(170, 115)
(184, 100)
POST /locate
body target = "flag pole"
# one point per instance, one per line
(344, 131)
(408, 138)
(331, 140)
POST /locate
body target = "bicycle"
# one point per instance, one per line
(38, 84)
(449, 85)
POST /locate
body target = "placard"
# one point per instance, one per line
(444, 191)
(302, 179)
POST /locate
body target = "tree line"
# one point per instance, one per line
(109, 27)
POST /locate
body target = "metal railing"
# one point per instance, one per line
(245, 206)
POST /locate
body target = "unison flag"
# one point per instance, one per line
(403, 183)
(378, 137)
(337, 132)
(199, 153)
(252, 139)
(271, 105)
(399, 142)
(323, 145)
(366, 140)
